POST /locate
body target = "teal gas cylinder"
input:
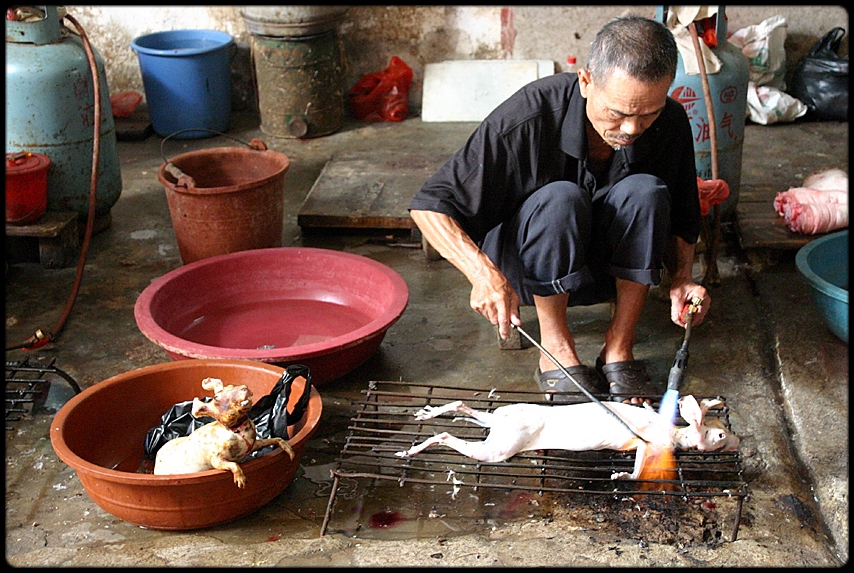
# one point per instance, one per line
(728, 89)
(50, 109)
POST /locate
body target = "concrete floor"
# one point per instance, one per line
(763, 347)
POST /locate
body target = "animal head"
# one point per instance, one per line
(704, 435)
(230, 406)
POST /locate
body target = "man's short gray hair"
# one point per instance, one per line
(641, 47)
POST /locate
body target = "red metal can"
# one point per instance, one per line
(26, 187)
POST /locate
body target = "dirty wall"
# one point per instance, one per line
(370, 35)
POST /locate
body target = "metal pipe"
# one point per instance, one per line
(568, 375)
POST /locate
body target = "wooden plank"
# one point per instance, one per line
(367, 190)
(51, 224)
(758, 193)
(135, 127)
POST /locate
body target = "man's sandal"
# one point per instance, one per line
(626, 380)
(560, 389)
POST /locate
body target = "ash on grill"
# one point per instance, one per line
(384, 424)
(27, 387)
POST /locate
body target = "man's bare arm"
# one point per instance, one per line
(491, 295)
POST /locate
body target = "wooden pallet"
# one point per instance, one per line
(762, 233)
(369, 190)
(57, 236)
(135, 127)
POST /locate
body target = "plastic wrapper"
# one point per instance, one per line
(269, 414)
(767, 105)
(763, 46)
(712, 192)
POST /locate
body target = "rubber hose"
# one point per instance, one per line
(40, 338)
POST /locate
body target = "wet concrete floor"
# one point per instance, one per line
(763, 347)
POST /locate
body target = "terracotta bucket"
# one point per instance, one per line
(225, 199)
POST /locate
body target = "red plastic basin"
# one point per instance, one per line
(99, 435)
(325, 309)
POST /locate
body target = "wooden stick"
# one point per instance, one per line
(712, 276)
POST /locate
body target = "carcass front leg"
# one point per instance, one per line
(428, 412)
(219, 463)
(418, 448)
(261, 444)
(640, 458)
(480, 451)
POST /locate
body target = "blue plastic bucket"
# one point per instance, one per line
(187, 80)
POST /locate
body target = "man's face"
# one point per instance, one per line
(622, 109)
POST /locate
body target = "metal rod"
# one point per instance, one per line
(329, 505)
(568, 375)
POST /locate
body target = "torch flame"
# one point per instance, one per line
(659, 463)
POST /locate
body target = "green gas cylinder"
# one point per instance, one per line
(50, 110)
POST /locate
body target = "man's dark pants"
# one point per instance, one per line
(563, 239)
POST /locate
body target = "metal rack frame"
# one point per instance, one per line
(25, 381)
(384, 424)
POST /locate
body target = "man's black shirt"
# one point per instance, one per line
(538, 136)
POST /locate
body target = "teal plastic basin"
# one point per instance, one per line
(824, 264)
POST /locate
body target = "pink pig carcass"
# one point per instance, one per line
(820, 206)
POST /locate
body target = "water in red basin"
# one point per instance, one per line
(269, 324)
(325, 309)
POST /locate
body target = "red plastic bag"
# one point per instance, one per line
(712, 192)
(382, 96)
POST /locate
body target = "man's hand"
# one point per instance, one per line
(496, 299)
(491, 293)
(679, 261)
(683, 294)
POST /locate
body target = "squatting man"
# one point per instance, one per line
(577, 190)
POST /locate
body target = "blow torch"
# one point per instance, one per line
(670, 400)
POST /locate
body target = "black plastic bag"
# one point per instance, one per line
(821, 79)
(269, 414)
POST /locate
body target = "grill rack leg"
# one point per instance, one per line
(329, 505)
(16, 395)
(737, 520)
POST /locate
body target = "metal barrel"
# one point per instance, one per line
(300, 84)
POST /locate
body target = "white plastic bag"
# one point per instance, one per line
(767, 105)
(762, 44)
(678, 18)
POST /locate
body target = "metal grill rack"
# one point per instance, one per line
(385, 424)
(25, 381)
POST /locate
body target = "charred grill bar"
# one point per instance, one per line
(385, 424)
(25, 382)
